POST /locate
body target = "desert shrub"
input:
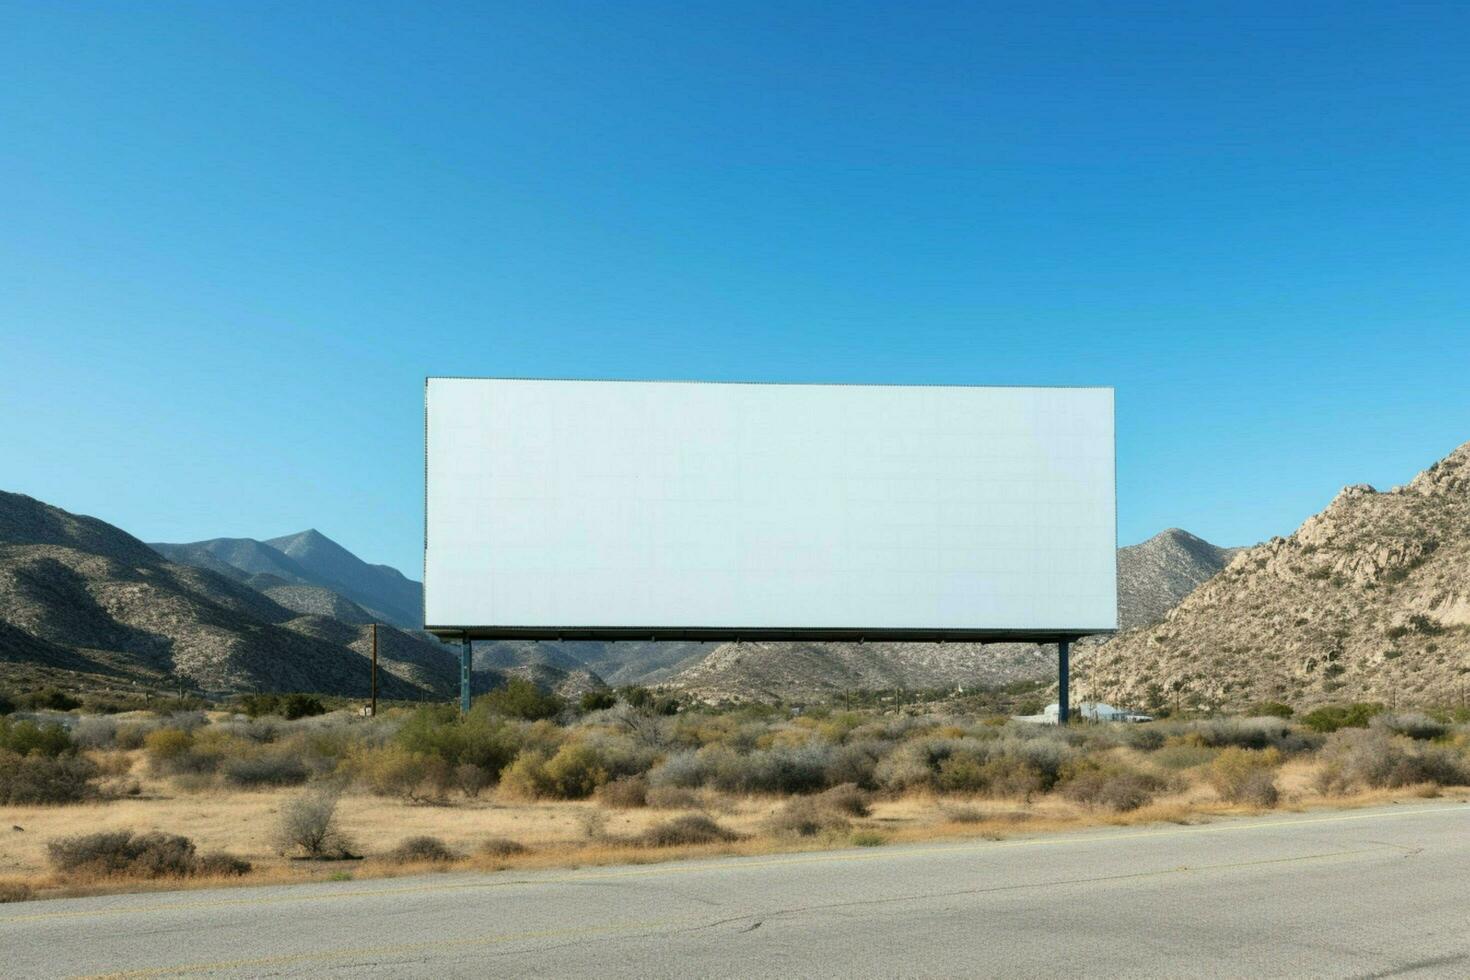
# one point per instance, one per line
(288, 706)
(219, 864)
(481, 739)
(1330, 718)
(598, 700)
(846, 798)
(573, 773)
(165, 744)
(1246, 776)
(123, 853)
(1144, 738)
(687, 829)
(42, 779)
(308, 825)
(1248, 733)
(787, 769)
(805, 817)
(519, 698)
(1376, 759)
(671, 798)
(25, 737)
(1270, 709)
(95, 732)
(624, 794)
(48, 699)
(965, 814)
(14, 891)
(868, 838)
(501, 847)
(471, 779)
(1411, 724)
(1183, 755)
(7, 705)
(265, 769)
(131, 734)
(392, 770)
(526, 777)
(1110, 784)
(421, 848)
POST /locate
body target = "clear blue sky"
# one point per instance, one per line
(234, 237)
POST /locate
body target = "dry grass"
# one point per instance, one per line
(243, 822)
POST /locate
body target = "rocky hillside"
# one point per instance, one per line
(84, 603)
(1368, 600)
(1154, 576)
(773, 671)
(310, 573)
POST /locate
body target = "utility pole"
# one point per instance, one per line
(373, 711)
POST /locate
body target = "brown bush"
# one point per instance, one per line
(126, 854)
(671, 798)
(502, 847)
(847, 799)
(308, 824)
(624, 794)
(41, 779)
(1376, 759)
(1116, 787)
(14, 891)
(1246, 776)
(421, 848)
(691, 828)
(806, 817)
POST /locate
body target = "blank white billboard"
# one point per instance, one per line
(615, 507)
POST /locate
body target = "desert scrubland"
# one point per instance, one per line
(147, 799)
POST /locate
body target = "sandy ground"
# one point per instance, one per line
(563, 834)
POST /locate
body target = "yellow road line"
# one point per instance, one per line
(655, 870)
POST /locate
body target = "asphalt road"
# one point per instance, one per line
(1382, 892)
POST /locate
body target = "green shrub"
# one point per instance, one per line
(598, 700)
(671, 798)
(393, 770)
(1270, 709)
(685, 830)
(420, 849)
(868, 838)
(1246, 776)
(42, 779)
(519, 698)
(1332, 717)
(287, 706)
(481, 739)
(6, 704)
(48, 699)
(28, 738)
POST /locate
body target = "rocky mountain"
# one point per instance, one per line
(1367, 600)
(618, 664)
(1154, 576)
(310, 573)
(84, 602)
(772, 671)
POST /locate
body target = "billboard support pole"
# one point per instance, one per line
(1063, 650)
(464, 674)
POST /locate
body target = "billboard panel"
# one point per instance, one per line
(613, 508)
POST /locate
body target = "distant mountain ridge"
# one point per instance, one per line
(306, 561)
(1155, 575)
